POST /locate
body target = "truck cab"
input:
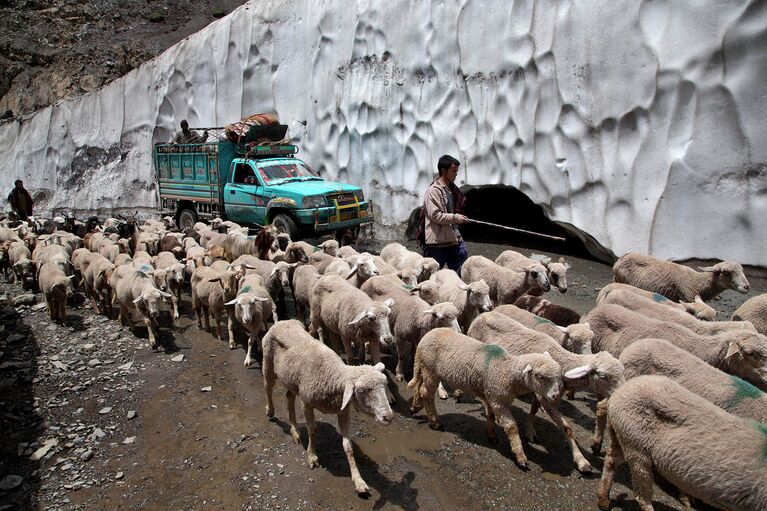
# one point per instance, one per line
(255, 186)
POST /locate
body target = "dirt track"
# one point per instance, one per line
(216, 450)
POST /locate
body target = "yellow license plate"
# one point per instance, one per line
(348, 215)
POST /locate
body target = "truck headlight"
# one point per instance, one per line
(313, 201)
(359, 195)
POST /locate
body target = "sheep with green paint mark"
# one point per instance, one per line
(697, 308)
(659, 426)
(576, 337)
(486, 371)
(600, 373)
(649, 307)
(739, 352)
(252, 307)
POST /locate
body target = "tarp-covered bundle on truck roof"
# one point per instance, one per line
(263, 129)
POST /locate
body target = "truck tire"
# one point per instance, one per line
(284, 223)
(186, 219)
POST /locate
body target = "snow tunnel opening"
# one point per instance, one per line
(508, 206)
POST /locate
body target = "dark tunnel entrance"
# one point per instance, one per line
(506, 205)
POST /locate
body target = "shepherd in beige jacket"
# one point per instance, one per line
(443, 207)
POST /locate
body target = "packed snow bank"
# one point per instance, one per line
(641, 123)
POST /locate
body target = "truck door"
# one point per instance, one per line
(243, 195)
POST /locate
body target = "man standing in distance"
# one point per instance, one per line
(443, 207)
(21, 201)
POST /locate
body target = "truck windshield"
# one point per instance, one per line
(282, 171)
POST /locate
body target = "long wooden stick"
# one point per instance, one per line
(548, 236)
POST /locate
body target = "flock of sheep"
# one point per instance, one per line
(678, 392)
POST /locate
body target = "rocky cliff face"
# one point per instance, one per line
(638, 123)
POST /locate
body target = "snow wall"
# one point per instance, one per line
(640, 123)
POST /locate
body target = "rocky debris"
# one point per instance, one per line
(85, 375)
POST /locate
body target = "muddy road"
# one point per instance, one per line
(110, 424)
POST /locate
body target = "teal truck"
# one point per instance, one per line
(253, 185)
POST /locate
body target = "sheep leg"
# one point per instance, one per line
(206, 317)
(613, 460)
(350, 360)
(217, 319)
(251, 338)
(427, 390)
(311, 428)
(530, 423)
(564, 426)
(174, 301)
(599, 429)
(292, 414)
(230, 326)
(642, 480)
(150, 331)
(343, 425)
(509, 425)
(399, 373)
(197, 311)
(490, 426)
(51, 311)
(62, 312)
(375, 351)
(269, 380)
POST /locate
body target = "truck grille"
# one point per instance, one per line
(342, 198)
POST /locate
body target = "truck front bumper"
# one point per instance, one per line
(333, 218)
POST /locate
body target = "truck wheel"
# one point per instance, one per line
(284, 223)
(186, 219)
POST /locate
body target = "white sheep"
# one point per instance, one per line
(304, 279)
(428, 290)
(658, 426)
(575, 338)
(505, 285)
(487, 371)
(97, 277)
(135, 290)
(401, 258)
(556, 272)
(174, 277)
(362, 270)
(338, 308)
(754, 310)
(739, 352)
(678, 282)
(56, 287)
(320, 379)
(20, 260)
(411, 317)
(698, 308)
(653, 309)
(211, 290)
(471, 299)
(600, 373)
(252, 307)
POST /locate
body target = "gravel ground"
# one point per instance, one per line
(94, 419)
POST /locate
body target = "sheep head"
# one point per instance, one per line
(368, 392)
(729, 275)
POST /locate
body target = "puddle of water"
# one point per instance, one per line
(410, 445)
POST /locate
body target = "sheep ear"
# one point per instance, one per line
(698, 299)
(519, 270)
(358, 317)
(274, 270)
(562, 260)
(292, 265)
(348, 392)
(215, 279)
(231, 302)
(261, 299)
(352, 273)
(707, 268)
(733, 349)
(389, 302)
(380, 367)
(578, 372)
(527, 370)
(72, 276)
(165, 295)
(137, 300)
(429, 311)
(561, 328)
(464, 287)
